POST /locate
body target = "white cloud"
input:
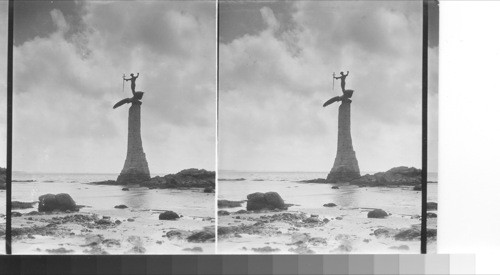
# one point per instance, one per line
(65, 87)
(272, 87)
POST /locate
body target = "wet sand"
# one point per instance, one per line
(309, 227)
(99, 228)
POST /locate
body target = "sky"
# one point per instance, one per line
(275, 66)
(69, 58)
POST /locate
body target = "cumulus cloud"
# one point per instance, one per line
(66, 83)
(273, 84)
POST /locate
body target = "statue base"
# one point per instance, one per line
(132, 176)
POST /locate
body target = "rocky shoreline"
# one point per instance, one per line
(397, 176)
(188, 178)
(284, 230)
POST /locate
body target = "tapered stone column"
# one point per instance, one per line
(136, 168)
(345, 167)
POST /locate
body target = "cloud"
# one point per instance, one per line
(272, 86)
(65, 86)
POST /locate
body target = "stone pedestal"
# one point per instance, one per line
(136, 168)
(345, 167)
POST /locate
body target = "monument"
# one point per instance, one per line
(135, 170)
(345, 167)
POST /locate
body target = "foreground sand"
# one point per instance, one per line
(117, 231)
(321, 231)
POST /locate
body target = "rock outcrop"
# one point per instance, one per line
(265, 201)
(184, 179)
(59, 202)
(345, 167)
(3, 176)
(169, 216)
(395, 176)
(135, 170)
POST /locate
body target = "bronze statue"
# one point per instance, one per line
(132, 81)
(137, 96)
(346, 94)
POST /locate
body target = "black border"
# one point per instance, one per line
(8, 176)
(425, 45)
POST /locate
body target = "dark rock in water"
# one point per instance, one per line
(104, 222)
(125, 189)
(22, 205)
(228, 204)
(312, 220)
(432, 206)
(431, 233)
(384, 232)
(206, 235)
(209, 189)
(396, 176)
(194, 249)
(408, 235)
(417, 187)
(188, 178)
(174, 234)
(239, 179)
(59, 202)
(318, 180)
(260, 201)
(169, 216)
(60, 250)
(431, 215)
(377, 214)
(16, 214)
(130, 220)
(331, 204)
(3, 174)
(105, 182)
(222, 213)
(265, 249)
(121, 206)
(335, 187)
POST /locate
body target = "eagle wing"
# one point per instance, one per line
(121, 102)
(332, 100)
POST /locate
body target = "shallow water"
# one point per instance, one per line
(197, 210)
(352, 202)
(104, 197)
(400, 200)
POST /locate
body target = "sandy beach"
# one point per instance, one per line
(100, 228)
(310, 227)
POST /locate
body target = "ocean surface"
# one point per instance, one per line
(104, 197)
(306, 196)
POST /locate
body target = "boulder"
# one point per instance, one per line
(331, 204)
(222, 213)
(377, 214)
(209, 189)
(431, 215)
(260, 201)
(121, 206)
(207, 235)
(432, 206)
(394, 177)
(3, 175)
(59, 202)
(169, 216)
